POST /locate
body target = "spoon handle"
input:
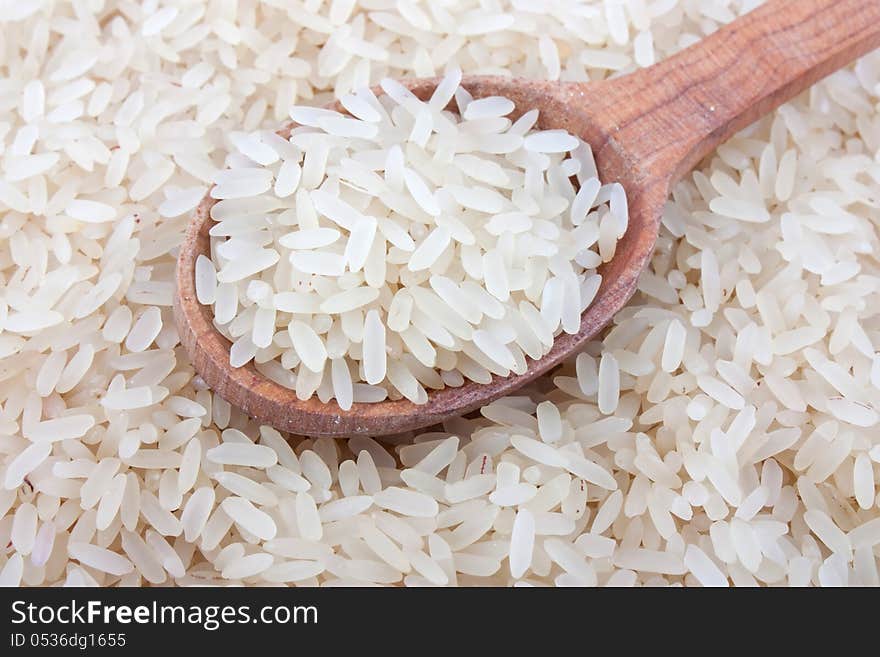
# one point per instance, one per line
(671, 115)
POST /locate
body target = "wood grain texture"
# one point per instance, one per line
(666, 118)
(647, 130)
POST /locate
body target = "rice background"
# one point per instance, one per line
(742, 448)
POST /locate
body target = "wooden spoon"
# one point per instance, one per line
(647, 130)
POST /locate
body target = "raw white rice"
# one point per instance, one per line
(365, 236)
(742, 443)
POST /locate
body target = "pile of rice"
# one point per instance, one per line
(722, 432)
(470, 251)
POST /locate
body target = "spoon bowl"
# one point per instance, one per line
(646, 129)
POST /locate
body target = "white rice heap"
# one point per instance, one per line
(723, 431)
(469, 252)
